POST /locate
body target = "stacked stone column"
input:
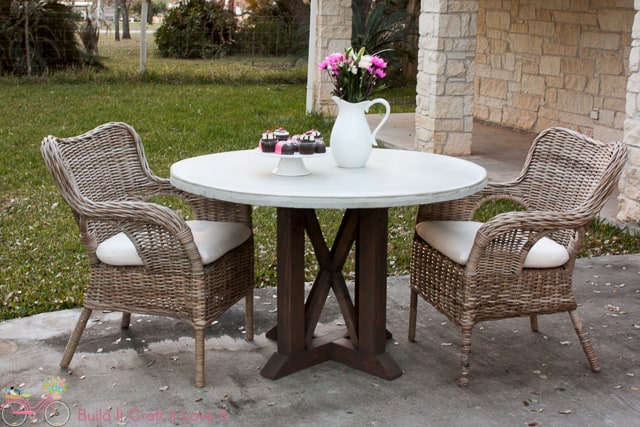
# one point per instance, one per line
(629, 198)
(445, 84)
(333, 35)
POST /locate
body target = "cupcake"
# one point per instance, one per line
(316, 134)
(281, 134)
(285, 148)
(268, 142)
(307, 144)
(320, 147)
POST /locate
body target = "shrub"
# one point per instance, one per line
(196, 29)
(269, 29)
(53, 44)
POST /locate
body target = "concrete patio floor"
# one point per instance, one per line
(143, 376)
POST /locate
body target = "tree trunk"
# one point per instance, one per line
(116, 19)
(126, 34)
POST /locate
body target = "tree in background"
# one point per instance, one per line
(268, 28)
(196, 29)
(40, 41)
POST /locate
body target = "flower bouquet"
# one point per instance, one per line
(355, 75)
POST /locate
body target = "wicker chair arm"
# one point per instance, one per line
(140, 221)
(509, 237)
(464, 209)
(203, 208)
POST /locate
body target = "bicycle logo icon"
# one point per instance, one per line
(17, 407)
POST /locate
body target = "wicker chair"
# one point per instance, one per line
(143, 257)
(518, 263)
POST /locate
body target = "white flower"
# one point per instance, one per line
(365, 62)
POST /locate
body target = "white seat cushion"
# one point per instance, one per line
(212, 238)
(455, 239)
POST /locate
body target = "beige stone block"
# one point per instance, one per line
(533, 84)
(519, 119)
(555, 82)
(520, 27)
(606, 118)
(614, 104)
(548, 113)
(628, 211)
(530, 67)
(494, 88)
(593, 86)
(480, 112)
(495, 115)
(459, 89)
(498, 47)
(576, 66)
(458, 144)
(448, 107)
(500, 20)
(541, 28)
(550, 65)
(525, 102)
(615, 20)
(569, 17)
(543, 14)
(618, 121)
(551, 48)
(544, 123)
(573, 120)
(574, 82)
(613, 86)
(632, 132)
(550, 97)
(607, 134)
(567, 34)
(490, 102)
(604, 41)
(574, 102)
(451, 125)
(522, 43)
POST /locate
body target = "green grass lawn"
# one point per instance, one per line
(180, 109)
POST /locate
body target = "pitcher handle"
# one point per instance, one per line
(384, 119)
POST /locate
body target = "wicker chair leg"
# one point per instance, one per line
(466, 354)
(584, 340)
(126, 320)
(413, 308)
(199, 356)
(70, 350)
(534, 323)
(248, 315)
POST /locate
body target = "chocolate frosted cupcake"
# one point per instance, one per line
(320, 147)
(268, 142)
(307, 144)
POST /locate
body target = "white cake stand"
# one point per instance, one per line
(291, 164)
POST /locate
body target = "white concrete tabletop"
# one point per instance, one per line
(390, 178)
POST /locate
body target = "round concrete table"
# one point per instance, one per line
(391, 178)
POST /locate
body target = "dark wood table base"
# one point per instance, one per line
(362, 345)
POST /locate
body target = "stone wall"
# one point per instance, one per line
(629, 198)
(444, 102)
(332, 35)
(554, 63)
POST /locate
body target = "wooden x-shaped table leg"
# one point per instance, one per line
(362, 345)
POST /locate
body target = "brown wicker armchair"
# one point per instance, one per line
(518, 263)
(143, 257)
